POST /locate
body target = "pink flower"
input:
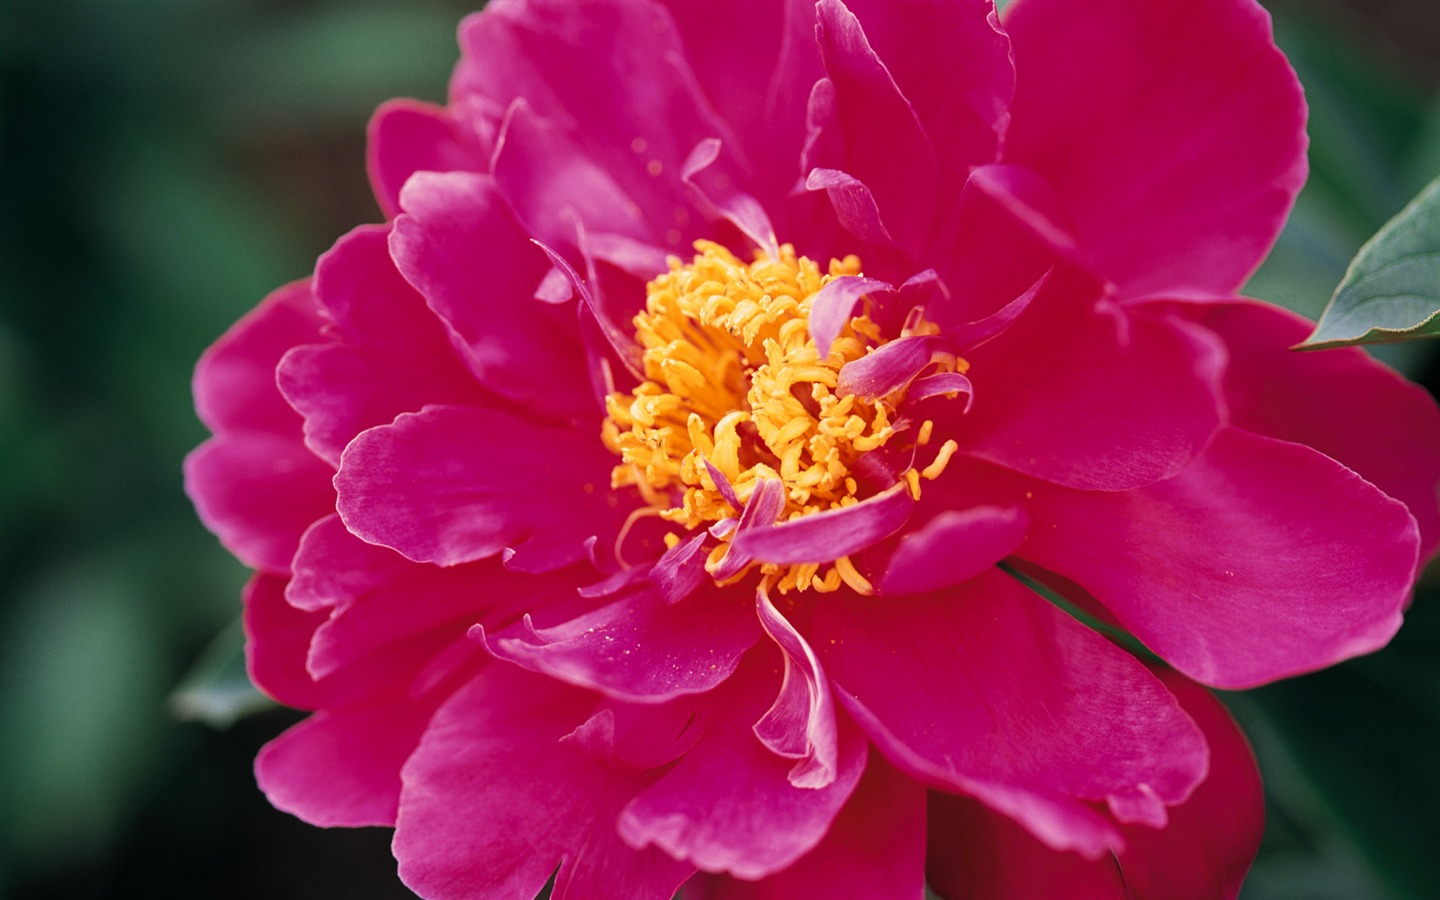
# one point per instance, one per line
(650, 496)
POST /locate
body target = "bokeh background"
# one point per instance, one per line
(164, 163)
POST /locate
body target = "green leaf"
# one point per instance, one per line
(217, 690)
(1391, 291)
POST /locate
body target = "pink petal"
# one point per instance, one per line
(890, 367)
(681, 569)
(580, 70)
(1041, 716)
(1263, 559)
(341, 766)
(1212, 838)
(459, 247)
(879, 137)
(639, 648)
(277, 641)
(873, 849)
(828, 535)
(333, 567)
(452, 484)
(493, 799)
(972, 851)
(755, 64)
(834, 306)
(1203, 851)
(258, 493)
(953, 547)
(854, 204)
(728, 804)
(720, 196)
(952, 62)
(254, 484)
(391, 353)
(1341, 402)
(1096, 398)
(407, 136)
(765, 505)
(800, 724)
(1173, 133)
(550, 183)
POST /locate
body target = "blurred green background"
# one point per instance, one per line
(163, 164)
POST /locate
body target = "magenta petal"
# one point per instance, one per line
(493, 800)
(828, 535)
(1173, 181)
(1263, 559)
(341, 766)
(718, 191)
(1341, 402)
(881, 140)
(333, 567)
(390, 354)
(681, 569)
(728, 804)
(640, 647)
(459, 247)
(1102, 400)
(834, 306)
(1041, 717)
(800, 724)
(452, 484)
(277, 640)
(254, 484)
(875, 848)
(406, 136)
(953, 547)
(550, 183)
(765, 505)
(942, 384)
(889, 367)
(855, 206)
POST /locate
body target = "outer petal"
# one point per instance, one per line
(1096, 398)
(578, 66)
(1341, 402)
(453, 484)
(494, 798)
(1173, 132)
(254, 483)
(873, 849)
(1263, 559)
(406, 136)
(391, 353)
(728, 804)
(1203, 852)
(459, 247)
(1040, 713)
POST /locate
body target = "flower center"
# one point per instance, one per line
(737, 393)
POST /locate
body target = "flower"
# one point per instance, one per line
(666, 491)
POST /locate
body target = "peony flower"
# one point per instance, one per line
(668, 494)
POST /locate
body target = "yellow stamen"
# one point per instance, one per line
(734, 379)
(942, 459)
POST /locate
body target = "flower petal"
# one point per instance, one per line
(874, 848)
(827, 535)
(1100, 399)
(407, 136)
(800, 724)
(494, 799)
(390, 354)
(728, 804)
(871, 131)
(452, 484)
(639, 648)
(1040, 715)
(1263, 559)
(954, 546)
(457, 244)
(254, 484)
(1173, 181)
(1341, 402)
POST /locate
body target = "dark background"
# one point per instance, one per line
(164, 164)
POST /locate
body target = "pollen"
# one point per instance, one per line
(736, 391)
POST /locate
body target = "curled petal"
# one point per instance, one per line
(953, 547)
(828, 535)
(800, 724)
